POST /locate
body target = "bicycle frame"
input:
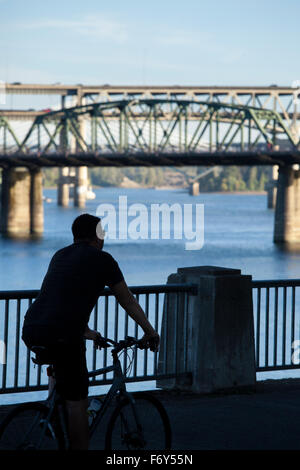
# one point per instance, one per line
(54, 400)
(118, 385)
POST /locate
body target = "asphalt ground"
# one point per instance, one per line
(264, 418)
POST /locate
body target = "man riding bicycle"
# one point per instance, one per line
(58, 318)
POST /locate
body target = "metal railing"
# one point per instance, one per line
(19, 374)
(276, 307)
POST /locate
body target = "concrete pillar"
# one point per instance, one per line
(36, 203)
(287, 213)
(63, 187)
(271, 194)
(15, 202)
(81, 180)
(63, 173)
(80, 188)
(220, 350)
(22, 211)
(194, 189)
(272, 187)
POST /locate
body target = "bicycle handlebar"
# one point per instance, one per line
(119, 345)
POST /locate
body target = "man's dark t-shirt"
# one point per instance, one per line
(75, 278)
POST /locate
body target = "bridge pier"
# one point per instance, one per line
(22, 211)
(194, 189)
(271, 187)
(79, 180)
(287, 212)
(63, 187)
(271, 194)
(36, 203)
(80, 188)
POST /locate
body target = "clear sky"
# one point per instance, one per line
(196, 42)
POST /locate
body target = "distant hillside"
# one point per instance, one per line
(229, 178)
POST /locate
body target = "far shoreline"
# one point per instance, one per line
(172, 188)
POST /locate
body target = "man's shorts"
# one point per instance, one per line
(69, 363)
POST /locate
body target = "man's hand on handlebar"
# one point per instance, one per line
(95, 336)
(99, 342)
(150, 341)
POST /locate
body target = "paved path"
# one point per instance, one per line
(268, 418)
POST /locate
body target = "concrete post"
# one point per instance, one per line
(15, 199)
(271, 194)
(36, 203)
(287, 213)
(272, 187)
(63, 187)
(194, 189)
(81, 180)
(63, 173)
(80, 188)
(220, 334)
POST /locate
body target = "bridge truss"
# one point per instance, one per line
(153, 128)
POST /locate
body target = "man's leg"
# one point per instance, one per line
(78, 424)
(72, 384)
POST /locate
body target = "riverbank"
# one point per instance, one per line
(173, 188)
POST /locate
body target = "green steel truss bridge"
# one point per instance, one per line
(151, 132)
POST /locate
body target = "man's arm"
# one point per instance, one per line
(90, 334)
(135, 311)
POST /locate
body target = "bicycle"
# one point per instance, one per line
(139, 420)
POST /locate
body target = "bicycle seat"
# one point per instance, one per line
(42, 355)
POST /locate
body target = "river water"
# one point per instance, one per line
(238, 233)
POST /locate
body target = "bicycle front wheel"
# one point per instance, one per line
(25, 428)
(142, 425)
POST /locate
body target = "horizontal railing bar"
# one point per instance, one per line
(276, 283)
(18, 294)
(274, 368)
(152, 289)
(159, 288)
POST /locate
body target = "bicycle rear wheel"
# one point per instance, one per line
(144, 426)
(23, 429)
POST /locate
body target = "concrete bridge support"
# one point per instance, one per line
(66, 176)
(22, 213)
(36, 203)
(81, 175)
(272, 187)
(63, 187)
(287, 212)
(194, 189)
(72, 183)
(81, 186)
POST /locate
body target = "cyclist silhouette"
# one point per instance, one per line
(58, 318)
